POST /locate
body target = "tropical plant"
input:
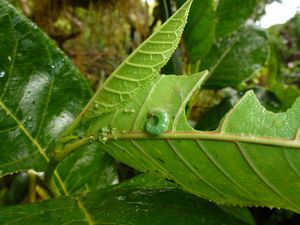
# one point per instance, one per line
(55, 134)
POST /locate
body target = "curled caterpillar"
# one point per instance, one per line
(157, 121)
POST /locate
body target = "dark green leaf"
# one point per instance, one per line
(123, 205)
(236, 58)
(211, 119)
(89, 168)
(232, 14)
(269, 100)
(286, 94)
(41, 93)
(200, 29)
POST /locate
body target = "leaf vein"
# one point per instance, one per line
(264, 179)
(221, 169)
(190, 167)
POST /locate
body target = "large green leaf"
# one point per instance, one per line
(232, 14)
(251, 160)
(200, 30)
(87, 169)
(236, 58)
(134, 203)
(41, 92)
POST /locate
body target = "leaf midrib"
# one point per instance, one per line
(34, 142)
(25, 131)
(207, 135)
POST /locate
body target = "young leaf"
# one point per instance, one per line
(140, 69)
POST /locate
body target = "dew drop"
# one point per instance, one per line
(9, 58)
(2, 74)
(96, 106)
(52, 66)
(29, 118)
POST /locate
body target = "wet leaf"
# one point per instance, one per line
(135, 203)
(41, 93)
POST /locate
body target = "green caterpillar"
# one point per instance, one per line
(157, 121)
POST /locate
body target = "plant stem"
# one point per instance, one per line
(210, 135)
(69, 148)
(49, 174)
(32, 185)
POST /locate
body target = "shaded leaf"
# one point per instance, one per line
(286, 94)
(200, 29)
(211, 119)
(232, 14)
(269, 100)
(123, 205)
(18, 189)
(236, 58)
(87, 169)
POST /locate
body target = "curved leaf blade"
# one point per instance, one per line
(140, 68)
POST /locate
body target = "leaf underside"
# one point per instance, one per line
(251, 160)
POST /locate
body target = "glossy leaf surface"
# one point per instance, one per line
(41, 93)
(154, 203)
